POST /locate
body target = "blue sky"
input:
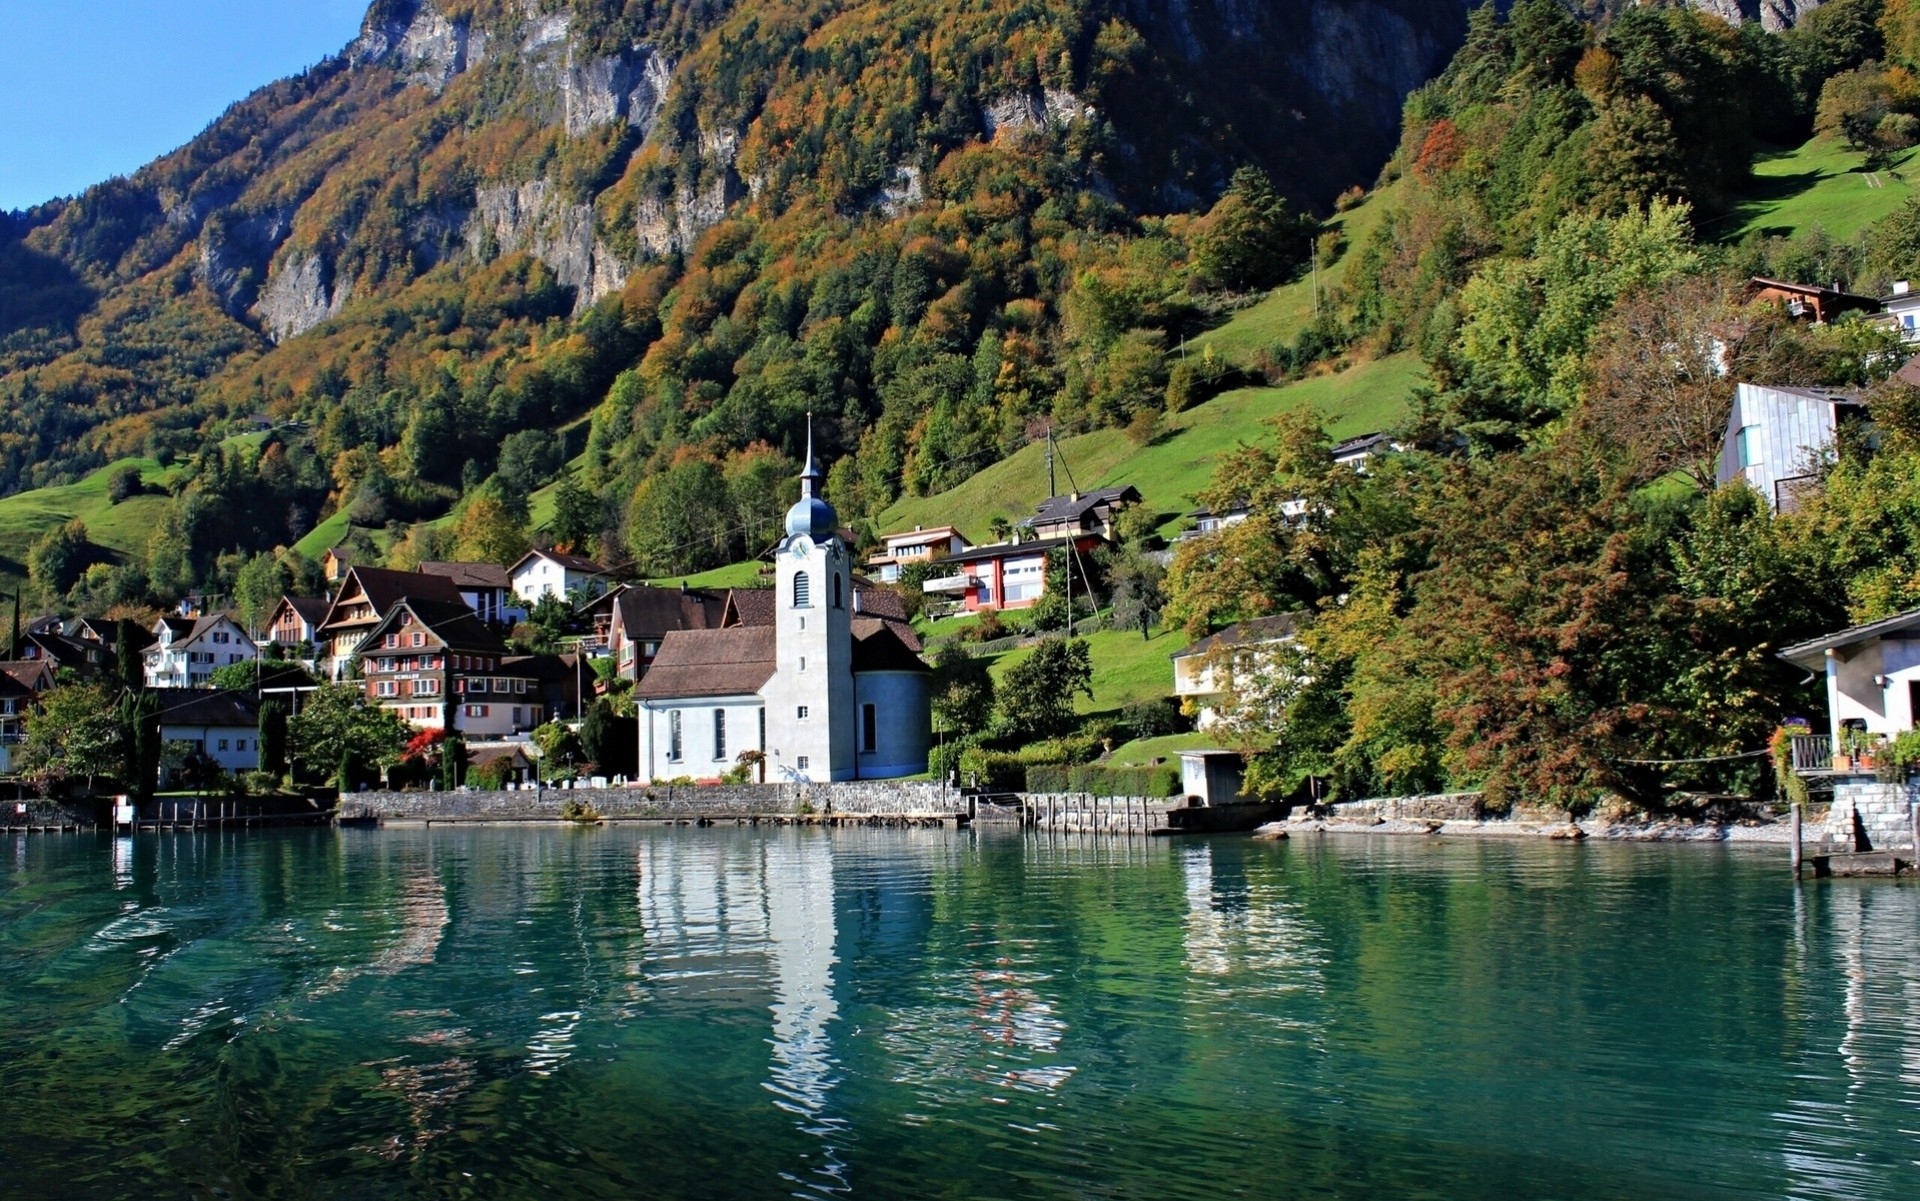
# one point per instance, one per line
(90, 89)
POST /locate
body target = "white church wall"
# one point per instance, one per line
(700, 757)
(902, 723)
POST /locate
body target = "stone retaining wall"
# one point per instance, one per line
(40, 812)
(1883, 810)
(1437, 807)
(861, 798)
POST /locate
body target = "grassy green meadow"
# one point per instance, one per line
(1819, 183)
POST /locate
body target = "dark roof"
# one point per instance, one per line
(470, 575)
(547, 669)
(1812, 655)
(749, 607)
(1007, 550)
(312, 609)
(24, 677)
(201, 707)
(511, 755)
(181, 626)
(1909, 372)
(872, 600)
(1824, 395)
(449, 621)
(878, 646)
(384, 589)
(1259, 629)
(570, 562)
(1078, 505)
(64, 649)
(644, 609)
(694, 663)
(1760, 283)
(1363, 443)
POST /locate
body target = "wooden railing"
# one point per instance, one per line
(1812, 752)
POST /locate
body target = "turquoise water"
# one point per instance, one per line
(721, 1013)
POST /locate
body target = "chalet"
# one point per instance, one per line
(913, 546)
(640, 616)
(336, 563)
(1079, 514)
(1354, 452)
(1778, 437)
(44, 643)
(365, 598)
(1808, 302)
(187, 650)
(822, 693)
(295, 621)
(21, 681)
(438, 666)
(221, 729)
(486, 587)
(1206, 521)
(1872, 673)
(1200, 671)
(542, 573)
(1005, 575)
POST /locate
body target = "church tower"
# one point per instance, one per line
(810, 701)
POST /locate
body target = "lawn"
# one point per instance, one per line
(733, 575)
(1141, 752)
(1170, 470)
(1819, 182)
(1127, 668)
(124, 528)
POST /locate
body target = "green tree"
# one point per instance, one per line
(258, 587)
(1036, 694)
(963, 692)
(273, 741)
(488, 532)
(56, 559)
(682, 520)
(73, 732)
(1249, 239)
(139, 742)
(123, 484)
(337, 727)
(578, 516)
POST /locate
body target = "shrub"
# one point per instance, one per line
(123, 484)
(997, 771)
(1096, 780)
(573, 810)
(1151, 719)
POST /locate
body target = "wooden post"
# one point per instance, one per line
(1913, 824)
(1796, 840)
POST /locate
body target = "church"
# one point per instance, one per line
(825, 692)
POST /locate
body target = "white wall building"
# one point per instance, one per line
(221, 727)
(188, 650)
(825, 693)
(542, 573)
(1872, 673)
(1201, 671)
(1778, 438)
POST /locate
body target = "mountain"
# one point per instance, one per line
(599, 136)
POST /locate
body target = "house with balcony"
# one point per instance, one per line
(486, 587)
(1778, 439)
(1354, 452)
(186, 651)
(916, 545)
(365, 598)
(1206, 521)
(1902, 310)
(1202, 670)
(1004, 575)
(1815, 303)
(437, 666)
(1080, 514)
(543, 573)
(21, 683)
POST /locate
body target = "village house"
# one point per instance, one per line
(1206, 521)
(1080, 514)
(220, 729)
(1778, 438)
(1354, 452)
(187, 650)
(640, 617)
(21, 683)
(1003, 575)
(486, 587)
(437, 666)
(826, 692)
(916, 545)
(295, 621)
(1903, 310)
(1808, 302)
(543, 573)
(44, 642)
(336, 563)
(365, 598)
(1873, 678)
(1201, 671)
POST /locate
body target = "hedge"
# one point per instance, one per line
(1104, 781)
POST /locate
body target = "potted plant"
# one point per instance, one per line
(1857, 750)
(1898, 758)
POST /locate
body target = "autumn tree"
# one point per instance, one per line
(1035, 697)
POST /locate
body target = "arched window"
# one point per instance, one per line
(802, 590)
(837, 602)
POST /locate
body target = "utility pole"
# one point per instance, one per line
(1050, 488)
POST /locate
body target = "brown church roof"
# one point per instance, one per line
(880, 646)
(730, 662)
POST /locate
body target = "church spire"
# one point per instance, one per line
(810, 474)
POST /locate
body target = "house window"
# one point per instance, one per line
(476, 686)
(801, 763)
(869, 728)
(720, 734)
(419, 639)
(1746, 442)
(478, 710)
(393, 640)
(802, 591)
(426, 688)
(223, 744)
(837, 603)
(389, 688)
(239, 744)
(802, 714)
(673, 735)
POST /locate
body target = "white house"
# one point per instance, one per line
(188, 650)
(825, 693)
(1777, 438)
(916, 545)
(541, 573)
(1903, 310)
(486, 587)
(1199, 671)
(1872, 673)
(222, 728)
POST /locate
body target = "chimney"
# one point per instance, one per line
(856, 600)
(1074, 497)
(1901, 287)
(916, 529)
(683, 587)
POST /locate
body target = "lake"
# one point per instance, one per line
(742, 1013)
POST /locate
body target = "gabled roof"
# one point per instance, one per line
(1008, 550)
(1364, 444)
(546, 669)
(1823, 395)
(749, 607)
(25, 677)
(928, 535)
(1812, 655)
(450, 622)
(469, 575)
(570, 562)
(311, 609)
(697, 663)
(1077, 505)
(383, 589)
(1278, 628)
(1909, 373)
(180, 627)
(878, 645)
(201, 707)
(643, 610)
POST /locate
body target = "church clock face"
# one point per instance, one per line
(802, 547)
